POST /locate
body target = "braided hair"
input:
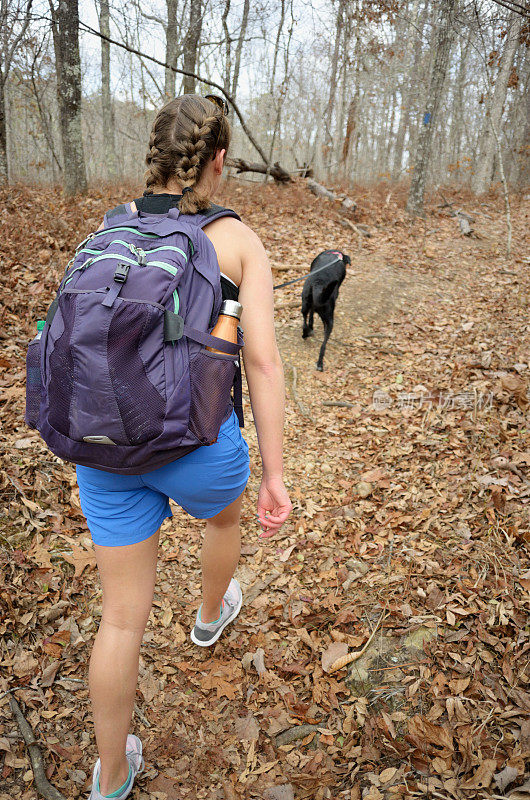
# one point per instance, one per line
(186, 134)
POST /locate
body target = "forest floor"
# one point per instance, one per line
(410, 530)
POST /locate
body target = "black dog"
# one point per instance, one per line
(320, 292)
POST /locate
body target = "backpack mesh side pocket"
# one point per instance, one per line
(61, 367)
(211, 378)
(33, 383)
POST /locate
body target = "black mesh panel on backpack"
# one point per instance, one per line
(33, 384)
(61, 368)
(141, 407)
(211, 380)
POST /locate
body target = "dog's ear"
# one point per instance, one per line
(346, 259)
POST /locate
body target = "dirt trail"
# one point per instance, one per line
(401, 510)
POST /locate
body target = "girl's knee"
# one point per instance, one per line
(126, 616)
(229, 516)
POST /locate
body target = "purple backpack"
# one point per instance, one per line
(120, 378)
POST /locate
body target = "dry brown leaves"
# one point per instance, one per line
(414, 499)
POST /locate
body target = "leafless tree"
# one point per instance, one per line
(107, 108)
(65, 28)
(342, 87)
(487, 146)
(14, 21)
(191, 44)
(442, 47)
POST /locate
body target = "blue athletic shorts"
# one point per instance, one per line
(125, 509)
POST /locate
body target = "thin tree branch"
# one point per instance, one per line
(515, 7)
(230, 99)
(43, 786)
(10, 52)
(45, 126)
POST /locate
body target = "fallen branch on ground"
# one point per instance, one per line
(360, 229)
(43, 786)
(276, 170)
(346, 202)
(464, 220)
(301, 406)
(296, 733)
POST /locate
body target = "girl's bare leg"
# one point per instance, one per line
(220, 553)
(128, 575)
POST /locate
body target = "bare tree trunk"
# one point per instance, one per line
(272, 82)
(14, 21)
(436, 85)
(387, 141)
(350, 127)
(406, 88)
(338, 142)
(65, 26)
(277, 47)
(4, 173)
(283, 88)
(171, 48)
(328, 145)
(109, 134)
(516, 114)
(352, 132)
(228, 47)
(455, 145)
(191, 44)
(487, 145)
(318, 164)
(239, 48)
(46, 122)
(523, 178)
(418, 91)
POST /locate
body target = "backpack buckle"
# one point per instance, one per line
(120, 276)
(122, 270)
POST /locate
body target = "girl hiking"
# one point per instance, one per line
(187, 148)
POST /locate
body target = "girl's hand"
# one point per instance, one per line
(274, 505)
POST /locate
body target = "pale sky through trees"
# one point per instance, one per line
(341, 85)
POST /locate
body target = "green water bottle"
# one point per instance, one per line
(40, 327)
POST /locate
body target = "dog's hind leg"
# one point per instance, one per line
(307, 311)
(308, 327)
(328, 327)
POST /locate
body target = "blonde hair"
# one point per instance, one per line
(186, 134)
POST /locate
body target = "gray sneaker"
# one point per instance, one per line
(133, 751)
(207, 633)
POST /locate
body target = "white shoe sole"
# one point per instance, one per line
(223, 626)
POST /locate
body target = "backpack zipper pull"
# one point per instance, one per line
(85, 241)
(139, 253)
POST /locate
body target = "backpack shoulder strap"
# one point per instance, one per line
(202, 218)
(122, 214)
(118, 215)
